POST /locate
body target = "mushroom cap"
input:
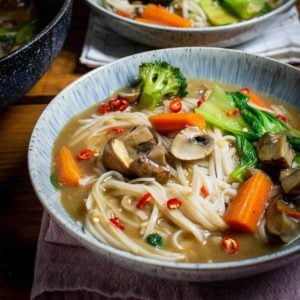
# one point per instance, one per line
(132, 95)
(145, 167)
(192, 144)
(115, 157)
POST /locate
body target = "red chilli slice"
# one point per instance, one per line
(245, 90)
(124, 104)
(175, 105)
(282, 118)
(85, 154)
(201, 100)
(118, 130)
(230, 245)
(173, 203)
(103, 108)
(234, 113)
(143, 201)
(204, 191)
(116, 222)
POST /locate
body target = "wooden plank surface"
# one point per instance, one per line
(20, 211)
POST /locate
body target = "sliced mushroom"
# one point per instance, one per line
(132, 95)
(158, 154)
(140, 139)
(192, 144)
(286, 172)
(115, 157)
(274, 150)
(279, 223)
(291, 182)
(145, 167)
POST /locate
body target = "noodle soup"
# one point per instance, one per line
(189, 13)
(142, 184)
(19, 23)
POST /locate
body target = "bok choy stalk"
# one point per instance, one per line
(262, 122)
(248, 158)
(247, 9)
(259, 120)
(250, 123)
(215, 112)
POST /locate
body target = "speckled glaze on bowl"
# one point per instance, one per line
(163, 36)
(227, 66)
(21, 69)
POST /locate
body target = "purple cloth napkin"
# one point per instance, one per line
(65, 270)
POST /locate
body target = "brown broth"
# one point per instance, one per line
(211, 251)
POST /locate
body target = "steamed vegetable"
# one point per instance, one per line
(217, 14)
(259, 120)
(215, 110)
(295, 142)
(247, 9)
(248, 158)
(68, 172)
(166, 123)
(27, 31)
(6, 36)
(246, 209)
(262, 122)
(161, 16)
(159, 80)
(250, 122)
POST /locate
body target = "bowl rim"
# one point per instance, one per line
(44, 31)
(99, 247)
(278, 10)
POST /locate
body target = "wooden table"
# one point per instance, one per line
(20, 211)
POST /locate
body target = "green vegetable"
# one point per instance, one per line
(158, 80)
(217, 14)
(297, 160)
(6, 36)
(262, 121)
(215, 112)
(295, 142)
(259, 120)
(246, 9)
(155, 240)
(265, 9)
(26, 32)
(248, 158)
(54, 181)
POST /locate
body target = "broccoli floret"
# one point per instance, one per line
(159, 80)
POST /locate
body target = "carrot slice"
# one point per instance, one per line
(123, 13)
(292, 212)
(255, 99)
(68, 172)
(159, 14)
(246, 209)
(166, 123)
(148, 21)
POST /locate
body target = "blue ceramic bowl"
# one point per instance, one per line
(21, 69)
(230, 67)
(163, 36)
